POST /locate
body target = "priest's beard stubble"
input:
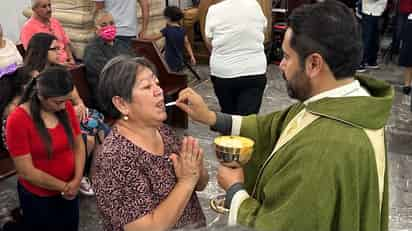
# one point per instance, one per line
(298, 86)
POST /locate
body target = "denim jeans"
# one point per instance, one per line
(126, 39)
(370, 37)
(399, 25)
(48, 213)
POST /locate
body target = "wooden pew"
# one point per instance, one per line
(170, 82)
(78, 73)
(7, 168)
(21, 50)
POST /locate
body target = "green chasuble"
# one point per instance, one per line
(326, 178)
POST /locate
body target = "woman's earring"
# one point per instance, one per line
(125, 118)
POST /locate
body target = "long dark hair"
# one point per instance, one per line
(37, 52)
(11, 85)
(52, 82)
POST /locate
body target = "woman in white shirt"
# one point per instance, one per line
(235, 30)
(9, 55)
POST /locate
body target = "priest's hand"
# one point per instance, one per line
(194, 105)
(227, 177)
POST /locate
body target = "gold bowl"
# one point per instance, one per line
(233, 151)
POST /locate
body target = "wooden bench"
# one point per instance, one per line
(78, 73)
(7, 168)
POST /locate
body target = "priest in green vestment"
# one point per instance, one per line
(321, 164)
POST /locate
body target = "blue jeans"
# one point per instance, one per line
(48, 213)
(126, 39)
(370, 37)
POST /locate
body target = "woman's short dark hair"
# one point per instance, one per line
(173, 13)
(330, 29)
(37, 52)
(118, 78)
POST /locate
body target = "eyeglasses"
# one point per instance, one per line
(54, 48)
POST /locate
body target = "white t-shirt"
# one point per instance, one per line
(236, 30)
(9, 55)
(374, 8)
(124, 14)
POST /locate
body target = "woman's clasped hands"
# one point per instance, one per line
(71, 189)
(189, 163)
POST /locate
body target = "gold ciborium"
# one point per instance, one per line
(233, 152)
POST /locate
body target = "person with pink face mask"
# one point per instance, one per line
(103, 47)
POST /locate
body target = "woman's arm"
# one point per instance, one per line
(144, 6)
(79, 107)
(26, 170)
(70, 60)
(189, 50)
(166, 215)
(153, 37)
(79, 159)
(208, 44)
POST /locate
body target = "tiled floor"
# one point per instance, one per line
(399, 136)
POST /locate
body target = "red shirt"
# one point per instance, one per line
(34, 26)
(23, 139)
(405, 6)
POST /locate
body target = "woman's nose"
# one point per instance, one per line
(158, 91)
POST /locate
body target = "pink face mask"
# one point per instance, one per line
(107, 33)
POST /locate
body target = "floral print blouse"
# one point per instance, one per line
(130, 182)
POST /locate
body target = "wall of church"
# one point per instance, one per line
(11, 17)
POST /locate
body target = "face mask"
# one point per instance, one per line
(107, 33)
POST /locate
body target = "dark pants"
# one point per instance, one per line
(48, 213)
(401, 20)
(126, 39)
(241, 95)
(370, 36)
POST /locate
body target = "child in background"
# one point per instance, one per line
(176, 39)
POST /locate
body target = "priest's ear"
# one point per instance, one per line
(314, 65)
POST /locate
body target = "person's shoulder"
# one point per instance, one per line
(19, 115)
(30, 21)
(9, 42)
(93, 43)
(28, 25)
(114, 145)
(117, 152)
(174, 29)
(69, 105)
(166, 129)
(55, 22)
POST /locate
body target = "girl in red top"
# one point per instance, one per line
(43, 137)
